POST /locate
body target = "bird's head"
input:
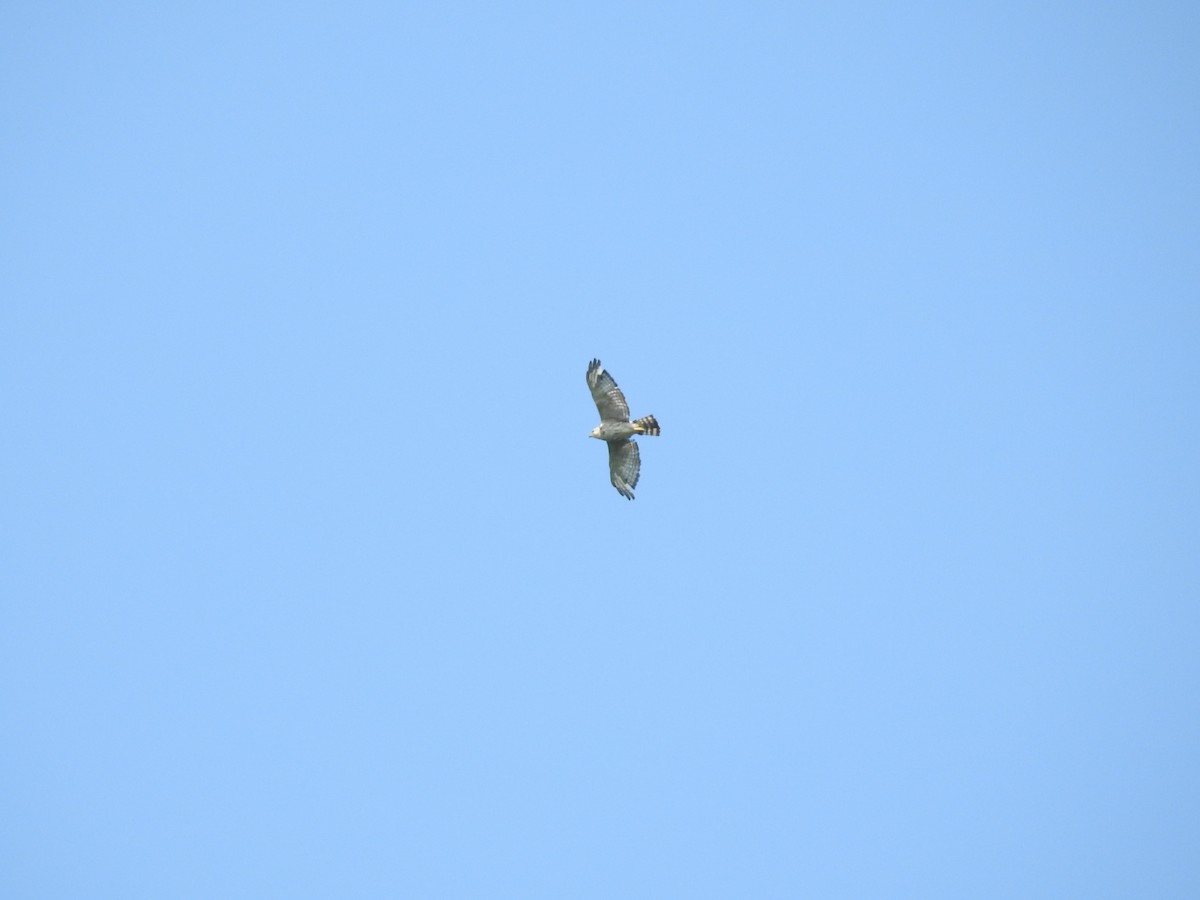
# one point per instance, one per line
(595, 432)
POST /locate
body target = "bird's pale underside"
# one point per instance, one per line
(615, 429)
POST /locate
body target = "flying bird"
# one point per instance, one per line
(616, 430)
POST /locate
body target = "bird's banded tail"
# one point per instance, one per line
(647, 425)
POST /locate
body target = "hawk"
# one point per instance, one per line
(616, 430)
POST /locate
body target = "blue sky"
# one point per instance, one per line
(314, 586)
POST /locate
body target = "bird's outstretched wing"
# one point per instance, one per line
(609, 399)
(624, 466)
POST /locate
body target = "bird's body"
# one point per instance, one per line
(619, 431)
(615, 429)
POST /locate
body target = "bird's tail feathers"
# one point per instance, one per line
(647, 425)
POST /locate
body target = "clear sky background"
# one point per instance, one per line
(313, 585)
